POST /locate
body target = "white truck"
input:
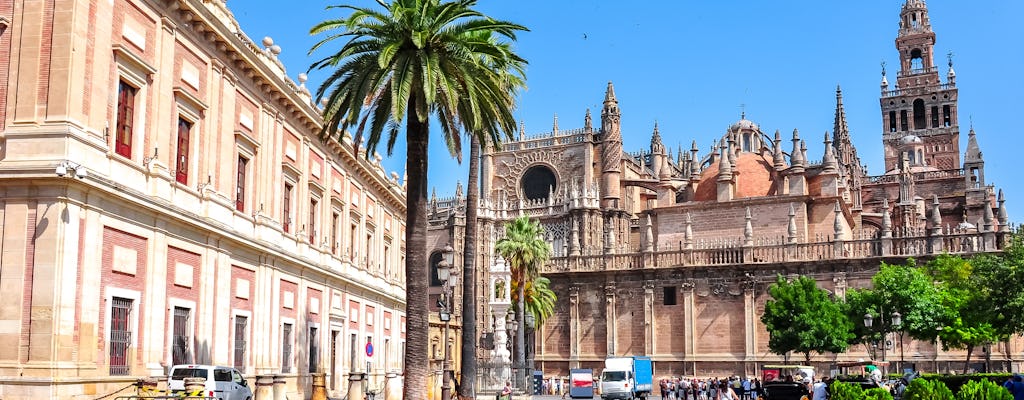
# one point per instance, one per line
(626, 378)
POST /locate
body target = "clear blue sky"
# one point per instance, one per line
(690, 65)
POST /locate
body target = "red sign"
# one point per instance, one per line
(369, 349)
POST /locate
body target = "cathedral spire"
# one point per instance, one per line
(611, 132)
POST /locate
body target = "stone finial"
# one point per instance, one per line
(648, 234)
(886, 219)
(778, 159)
(936, 217)
(724, 166)
(791, 232)
(796, 157)
(588, 121)
(688, 231)
(748, 230)
(837, 225)
(554, 126)
(1003, 217)
(522, 130)
(828, 160)
(458, 189)
(803, 150)
(989, 218)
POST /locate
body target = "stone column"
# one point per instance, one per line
(392, 386)
(750, 318)
(319, 388)
(648, 318)
(609, 312)
(279, 387)
(355, 386)
(574, 326)
(264, 387)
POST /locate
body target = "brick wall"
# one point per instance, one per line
(120, 276)
(720, 318)
(289, 290)
(668, 322)
(238, 275)
(629, 322)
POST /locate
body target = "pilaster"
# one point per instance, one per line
(609, 312)
(689, 320)
(574, 326)
(649, 318)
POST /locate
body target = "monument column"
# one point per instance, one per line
(609, 313)
(648, 318)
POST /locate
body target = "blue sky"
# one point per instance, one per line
(690, 66)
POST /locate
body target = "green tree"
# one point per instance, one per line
(412, 61)
(525, 250)
(540, 299)
(908, 290)
(803, 318)
(1003, 274)
(967, 305)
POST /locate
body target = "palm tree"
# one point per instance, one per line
(525, 250)
(540, 299)
(404, 65)
(468, 368)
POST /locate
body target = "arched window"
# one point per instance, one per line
(435, 259)
(920, 156)
(935, 116)
(747, 143)
(916, 60)
(892, 121)
(919, 119)
(538, 182)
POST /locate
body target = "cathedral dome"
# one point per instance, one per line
(910, 139)
(743, 125)
(753, 175)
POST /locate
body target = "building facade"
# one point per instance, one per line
(166, 200)
(670, 256)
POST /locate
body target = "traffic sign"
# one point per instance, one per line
(369, 349)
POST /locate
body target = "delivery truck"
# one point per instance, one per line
(626, 378)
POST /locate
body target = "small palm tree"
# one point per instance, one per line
(540, 299)
(413, 61)
(525, 250)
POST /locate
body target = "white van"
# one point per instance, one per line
(223, 383)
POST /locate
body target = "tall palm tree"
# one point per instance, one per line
(412, 61)
(468, 368)
(525, 250)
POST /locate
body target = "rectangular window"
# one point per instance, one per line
(335, 220)
(120, 335)
(241, 326)
(892, 121)
(369, 248)
(312, 221)
(353, 346)
(240, 184)
(935, 117)
(286, 219)
(903, 120)
(181, 161)
(125, 119)
(314, 350)
(670, 296)
(947, 118)
(286, 348)
(180, 353)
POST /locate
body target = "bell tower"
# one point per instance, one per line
(921, 104)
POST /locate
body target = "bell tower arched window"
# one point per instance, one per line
(919, 119)
(916, 59)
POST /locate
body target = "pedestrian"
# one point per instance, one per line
(506, 392)
(819, 391)
(1016, 387)
(725, 392)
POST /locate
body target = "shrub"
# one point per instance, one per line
(925, 389)
(845, 391)
(983, 390)
(877, 394)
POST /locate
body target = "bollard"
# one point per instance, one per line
(264, 387)
(355, 386)
(319, 386)
(279, 387)
(392, 386)
(197, 386)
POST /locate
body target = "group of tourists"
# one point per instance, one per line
(732, 388)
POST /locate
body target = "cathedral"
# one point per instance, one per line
(671, 255)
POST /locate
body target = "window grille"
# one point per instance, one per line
(286, 348)
(241, 324)
(120, 335)
(180, 352)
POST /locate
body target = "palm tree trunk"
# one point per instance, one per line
(416, 279)
(521, 332)
(467, 388)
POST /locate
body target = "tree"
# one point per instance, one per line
(525, 250)
(467, 389)
(909, 290)
(540, 299)
(1003, 274)
(968, 314)
(402, 66)
(803, 318)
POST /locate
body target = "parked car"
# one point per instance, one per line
(223, 383)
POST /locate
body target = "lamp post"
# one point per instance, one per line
(448, 282)
(894, 323)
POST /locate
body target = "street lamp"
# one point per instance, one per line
(895, 321)
(448, 282)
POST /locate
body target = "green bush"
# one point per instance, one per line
(983, 390)
(954, 382)
(926, 389)
(877, 394)
(845, 391)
